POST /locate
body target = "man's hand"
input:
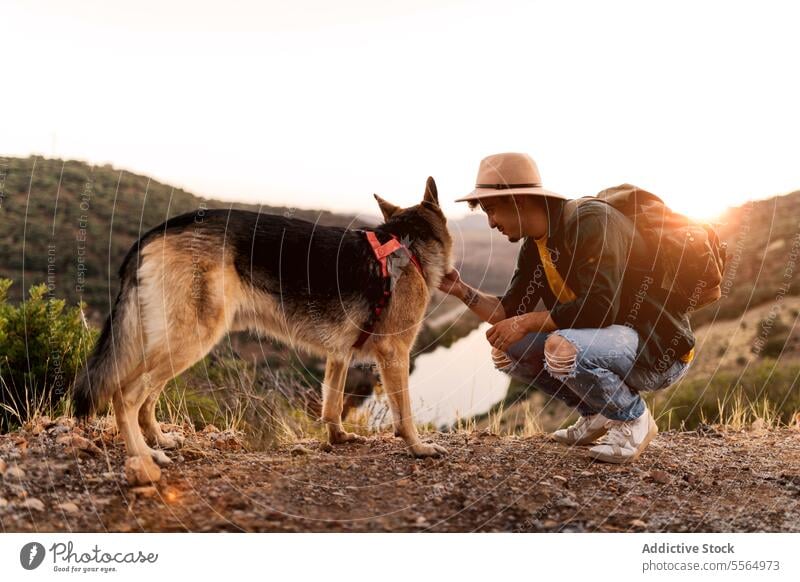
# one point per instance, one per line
(451, 284)
(507, 332)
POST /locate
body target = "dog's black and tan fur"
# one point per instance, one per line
(187, 282)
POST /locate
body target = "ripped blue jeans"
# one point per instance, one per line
(600, 379)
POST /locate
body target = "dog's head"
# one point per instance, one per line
(424, 226)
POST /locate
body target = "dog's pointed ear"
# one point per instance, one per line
(431, 195)
(387, 208)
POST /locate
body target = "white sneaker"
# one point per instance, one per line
(625, 440)
(583, 432)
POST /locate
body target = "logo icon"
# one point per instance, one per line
(31, 555)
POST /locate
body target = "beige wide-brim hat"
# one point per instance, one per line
(506, 174)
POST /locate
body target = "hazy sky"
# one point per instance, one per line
(319, 104)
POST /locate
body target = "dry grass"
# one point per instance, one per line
(739, 413)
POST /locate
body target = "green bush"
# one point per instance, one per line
(42, 346)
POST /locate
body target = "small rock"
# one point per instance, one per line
(560, 479)
(403, 482)
(2, 466)
(210, 428)
(758, 424)
(422, 520)
(65, 421)
(79, 443)
(659, 476)
(326, 447)
(13, 472)
(141, 471)
(193, 453)
(225, 440)
(33, 503)
(708, 430)
(638, 523)
(146, 491)
(567, 503)
(3, 503)
(298, 450)
(68, 507)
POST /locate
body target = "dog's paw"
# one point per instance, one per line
(160, 458)
(171, 440)
(342, 437)
(428, 450)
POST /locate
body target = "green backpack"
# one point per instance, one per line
(687, 256)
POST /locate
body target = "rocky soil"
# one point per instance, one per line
(58, 477)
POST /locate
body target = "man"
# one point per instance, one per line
(607, 332)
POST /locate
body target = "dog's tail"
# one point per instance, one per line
(113, 357)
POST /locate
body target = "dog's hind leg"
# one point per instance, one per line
(152, 429)
(163, 366)
(333, 399)
(393, 366)
(127, 402)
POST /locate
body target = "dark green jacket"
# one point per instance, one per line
(606, 264)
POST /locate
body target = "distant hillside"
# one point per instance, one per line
(70, 224)
(764, 265)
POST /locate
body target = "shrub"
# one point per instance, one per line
(42, 346)
(732, 397)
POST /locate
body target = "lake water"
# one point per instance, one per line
(455, 382)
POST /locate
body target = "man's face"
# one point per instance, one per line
(505, 214)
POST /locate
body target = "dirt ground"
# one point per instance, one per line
(707, 480)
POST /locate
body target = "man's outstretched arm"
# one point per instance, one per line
(486, 307)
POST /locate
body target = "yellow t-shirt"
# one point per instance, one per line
(559, 287)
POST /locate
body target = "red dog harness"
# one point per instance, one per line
(382, 252)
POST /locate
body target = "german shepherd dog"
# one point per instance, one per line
(187, 282)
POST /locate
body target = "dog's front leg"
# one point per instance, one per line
(394, 375)
(333, 400)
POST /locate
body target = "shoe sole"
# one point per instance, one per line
(651, 433)
(587, 440)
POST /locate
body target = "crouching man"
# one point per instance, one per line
(607, 332)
